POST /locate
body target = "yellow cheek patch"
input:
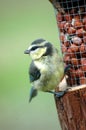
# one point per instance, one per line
(38, 53)
(41, 51)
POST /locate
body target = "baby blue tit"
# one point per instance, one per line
(46, 69)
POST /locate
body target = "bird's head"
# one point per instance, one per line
(39, 48)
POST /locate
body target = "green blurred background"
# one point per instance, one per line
(21, 22)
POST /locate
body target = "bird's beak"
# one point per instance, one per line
(27, 52)
(33, 93)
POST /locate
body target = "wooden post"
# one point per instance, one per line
(71, 109)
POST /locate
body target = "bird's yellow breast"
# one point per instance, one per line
(52, 71)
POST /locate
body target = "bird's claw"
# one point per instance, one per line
(60, 93)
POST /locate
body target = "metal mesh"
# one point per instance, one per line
(71, 21)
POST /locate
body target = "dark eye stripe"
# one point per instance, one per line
(34, 48)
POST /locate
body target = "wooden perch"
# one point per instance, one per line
(71, 109)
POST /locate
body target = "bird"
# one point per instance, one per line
(46, 69)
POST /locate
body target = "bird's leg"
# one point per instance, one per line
(59, 94)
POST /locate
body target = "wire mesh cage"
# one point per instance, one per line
(71, 21)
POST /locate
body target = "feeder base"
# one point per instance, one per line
(71, 109)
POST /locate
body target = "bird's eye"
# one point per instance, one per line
(34, 48)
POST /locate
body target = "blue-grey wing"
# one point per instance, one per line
(34, 72)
